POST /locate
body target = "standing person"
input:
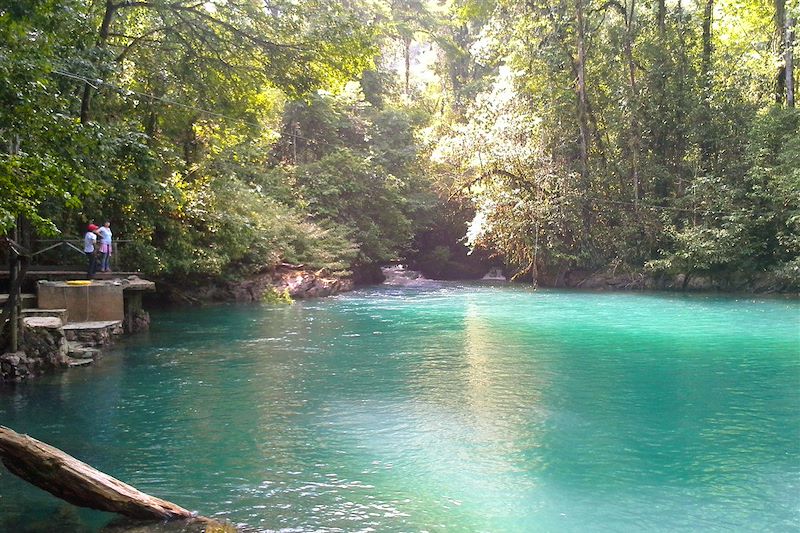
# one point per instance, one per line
(89, 241)
(105, 246)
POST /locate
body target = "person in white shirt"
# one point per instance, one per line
(89, 241)
(105, 246)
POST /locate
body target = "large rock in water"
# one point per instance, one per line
(295, 280)
(43, 346)
(305, 284)
(292, 279)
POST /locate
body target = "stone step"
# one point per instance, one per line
(42, 322)
(35, 311)
(80, 350)
(79, 362)
(94, 325)
(95, 334)
(26, 300)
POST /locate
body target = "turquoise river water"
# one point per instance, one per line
(443, 407)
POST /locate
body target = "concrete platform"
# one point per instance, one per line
(99, 300)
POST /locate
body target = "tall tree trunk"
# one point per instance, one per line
(708, 17)
(677, 141)
(780, 19)
(707, 142)
(780, 49)
(789, 55)
(102, 39)
(191, 148)
(460, 65)
(151, 124)
(583, 112)
(659, 81)
(633, 99)
(407, 58)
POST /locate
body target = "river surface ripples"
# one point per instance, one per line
(444, 407)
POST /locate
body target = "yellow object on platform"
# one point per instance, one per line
(79, 282)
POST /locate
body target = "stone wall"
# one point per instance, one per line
(43, 347)
(96, 334)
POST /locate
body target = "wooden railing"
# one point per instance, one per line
(51, 252)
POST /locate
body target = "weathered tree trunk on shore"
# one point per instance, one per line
(78, 483)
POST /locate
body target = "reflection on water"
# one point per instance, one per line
(444, 406)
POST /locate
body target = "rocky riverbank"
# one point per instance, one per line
(642, 280)
(43, 347)
(285, 280)
(47, 344)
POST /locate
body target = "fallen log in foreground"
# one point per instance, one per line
(78, 483)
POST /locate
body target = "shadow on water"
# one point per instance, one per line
(38, 519)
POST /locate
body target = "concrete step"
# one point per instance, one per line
(57, 313)
(95, 334)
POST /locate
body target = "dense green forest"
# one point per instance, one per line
(557, 138)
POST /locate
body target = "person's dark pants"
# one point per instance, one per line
(91, 266)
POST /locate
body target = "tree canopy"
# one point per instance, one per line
(551, 137)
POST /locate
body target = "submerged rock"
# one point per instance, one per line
(14, 366)
(200, 525)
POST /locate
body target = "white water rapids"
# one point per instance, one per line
(399, 275)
